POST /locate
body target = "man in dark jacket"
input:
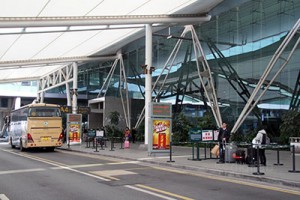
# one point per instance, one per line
(223, 138)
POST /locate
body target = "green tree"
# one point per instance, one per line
(207, 121)
(290, 126)
(181, 127)
(114, 118)
(112, 129)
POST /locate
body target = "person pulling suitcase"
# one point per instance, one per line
(223, 138)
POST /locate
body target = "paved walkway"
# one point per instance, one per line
(276, 174)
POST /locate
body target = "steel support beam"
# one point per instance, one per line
(279, 59)
(48, 61)
(15, 22)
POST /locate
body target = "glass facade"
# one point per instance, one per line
(245, 33)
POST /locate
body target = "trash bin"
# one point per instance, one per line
(296, 142)
(230, 149)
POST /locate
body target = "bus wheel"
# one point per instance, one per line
(11, 144)
(21, 146)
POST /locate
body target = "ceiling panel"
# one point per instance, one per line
(39, 43)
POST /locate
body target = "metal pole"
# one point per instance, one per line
(74, 91)
(294, 161)
(278, 162)
(170, 153)
(68, 94)
(148, 83)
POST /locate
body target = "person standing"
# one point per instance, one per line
(126, 134)
(223, 138)
(261, 139)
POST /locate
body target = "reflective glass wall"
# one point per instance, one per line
(246, 34)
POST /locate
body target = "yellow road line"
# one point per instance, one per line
(163, 192)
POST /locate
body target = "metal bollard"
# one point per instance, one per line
(170, 153)
(101, 144)
(112, 144)
(294, 161)
(96, 145)
(122, 140)
(87, 142)
(278, 163)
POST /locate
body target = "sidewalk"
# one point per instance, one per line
(276, 174)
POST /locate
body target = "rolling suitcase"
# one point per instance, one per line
(251, 156)
(230, 149)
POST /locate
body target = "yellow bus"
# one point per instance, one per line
(36, 125)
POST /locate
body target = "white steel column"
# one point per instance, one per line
(148, 81)
(42, 94)
(74, 90)
(69, 103)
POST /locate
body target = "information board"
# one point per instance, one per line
(195, 134)
(161, 110)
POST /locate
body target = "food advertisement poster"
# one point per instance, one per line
(161, 130)
(74, 128)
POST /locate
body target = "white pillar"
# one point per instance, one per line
(74, 90)
(148, 82)
(42, 94)
(17, 102)
(68, 94)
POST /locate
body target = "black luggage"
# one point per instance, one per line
(251, 158)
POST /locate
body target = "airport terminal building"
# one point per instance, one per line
(245, 46)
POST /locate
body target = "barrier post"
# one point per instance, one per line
(96, 145)
(294, 161)
(278, 163)
(257, 163)
(122, 140)
(101, 143)
(112, 144)
(87, 142)
(193, 154)
(205, 145)
(170, 153)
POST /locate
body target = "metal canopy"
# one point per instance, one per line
(38, 37)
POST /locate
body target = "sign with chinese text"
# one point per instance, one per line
(163, 110)
(74, 128)
(216, 134)
(207, 135)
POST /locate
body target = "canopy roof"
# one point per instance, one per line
(40, 36)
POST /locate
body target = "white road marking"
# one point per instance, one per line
(58, 165)
(3, 197)
(21, 171)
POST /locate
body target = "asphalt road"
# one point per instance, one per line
(64, 175)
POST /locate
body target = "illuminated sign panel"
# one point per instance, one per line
(163, 110)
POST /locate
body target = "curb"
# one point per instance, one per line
(287, 183)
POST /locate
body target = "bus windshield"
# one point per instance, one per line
(44, 112)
